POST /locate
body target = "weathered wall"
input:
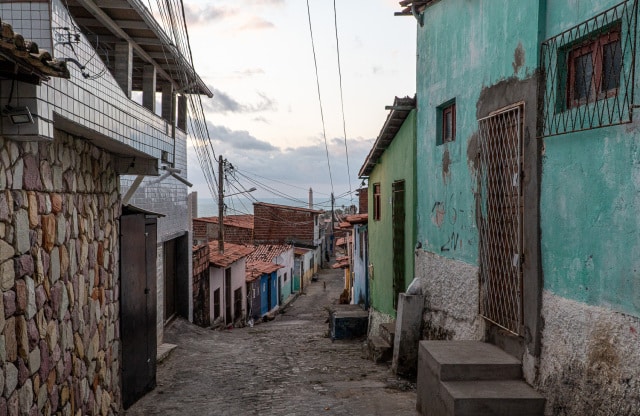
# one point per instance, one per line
(201, 292)
(274, 224)
(488, 62)
(396, 163)
(59, 342)
(451, 294)
(286, 260)
(590, 359)
(360, 295)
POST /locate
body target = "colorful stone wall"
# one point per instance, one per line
(59, 312)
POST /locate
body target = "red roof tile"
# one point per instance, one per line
(257, 268)
(268, 252)
(357, 219)
(232, 253)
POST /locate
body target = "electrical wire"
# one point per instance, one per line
(315, 62)
(344, 123)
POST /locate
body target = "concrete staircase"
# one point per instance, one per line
(381, 346)
(464, 378)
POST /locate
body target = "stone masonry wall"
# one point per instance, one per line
(59, 310)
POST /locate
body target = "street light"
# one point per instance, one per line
(221, 197)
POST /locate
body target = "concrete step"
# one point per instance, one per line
(388, 332)
(379, 349)
(468, 360)
(348, 321)
(491, 398)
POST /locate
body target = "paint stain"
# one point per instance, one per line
(446, 161)
(472, 153)
(518, 59)
(603, 358)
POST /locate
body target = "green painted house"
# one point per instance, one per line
(390, 170)
(528, 189)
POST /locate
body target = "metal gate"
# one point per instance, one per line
(398, 217)
(500, 219)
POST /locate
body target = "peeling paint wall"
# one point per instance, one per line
(483, 55)
(396, 163)
(590, 359)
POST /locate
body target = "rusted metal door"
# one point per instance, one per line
(398, 219)
(138, 306)
(500, 219)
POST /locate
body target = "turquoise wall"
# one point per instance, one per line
(396, 163)
(462, 49)
(590, 201)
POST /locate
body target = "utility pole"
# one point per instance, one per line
(220, 205)
(332, 217)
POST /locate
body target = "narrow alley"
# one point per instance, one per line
(288, 366)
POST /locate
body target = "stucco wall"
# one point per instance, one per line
(590, 359)
(396, 163)
(451, 295)
(59, 310)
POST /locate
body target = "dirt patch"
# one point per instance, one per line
(446, 161)
(518, 59)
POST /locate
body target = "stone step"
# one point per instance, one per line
(491, 398)
(388, 332)
(379, 349)
(468, 360)
(348, 321)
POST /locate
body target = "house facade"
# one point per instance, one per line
(262, 288)
(227, 283)
(303, 268)
(73, 243)
(238, 229)
(281, 255)
(390, 171)
(527, 155)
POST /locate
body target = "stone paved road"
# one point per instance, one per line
(285, 367)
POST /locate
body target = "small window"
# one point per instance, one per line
(376, 201)
(594, 68)
(446, 122)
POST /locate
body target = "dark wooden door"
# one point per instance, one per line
(138, 306)
(227, 297)
(169, 279)
(398, 220)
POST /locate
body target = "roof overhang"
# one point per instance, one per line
(399, 112)
(115, 21)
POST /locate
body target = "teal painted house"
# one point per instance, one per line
(390, 171)
(528, 189)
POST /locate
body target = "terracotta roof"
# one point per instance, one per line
(232, 253)
(301, 251)
(315, 211)
(28, 58)
(240, 221)
(268, 252)
(358, 219)
(398, 113)
(257, 268)
(344, 225)
(340, 264)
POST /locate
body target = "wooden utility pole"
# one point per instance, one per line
(333, 240)
(220, 205)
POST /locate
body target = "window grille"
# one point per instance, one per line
(588, 72)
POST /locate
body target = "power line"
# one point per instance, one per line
(344, 123)
(315, 62)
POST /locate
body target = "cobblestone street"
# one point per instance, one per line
(288, 366)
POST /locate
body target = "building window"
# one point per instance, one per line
(376, 201)
(449, 124)
(216, 304)
(446, 122)
(285, 277)
(594, 68)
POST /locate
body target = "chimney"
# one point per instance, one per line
(310, 198)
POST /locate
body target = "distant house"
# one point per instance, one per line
(303, 268)
(262, 287)
(227, 284)
(238, 229)
(282, 255)
(390, 171)
(359, 257)
(281, 224)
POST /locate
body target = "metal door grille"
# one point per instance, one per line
(500, 220)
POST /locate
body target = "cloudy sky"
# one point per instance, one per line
(257, 58)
